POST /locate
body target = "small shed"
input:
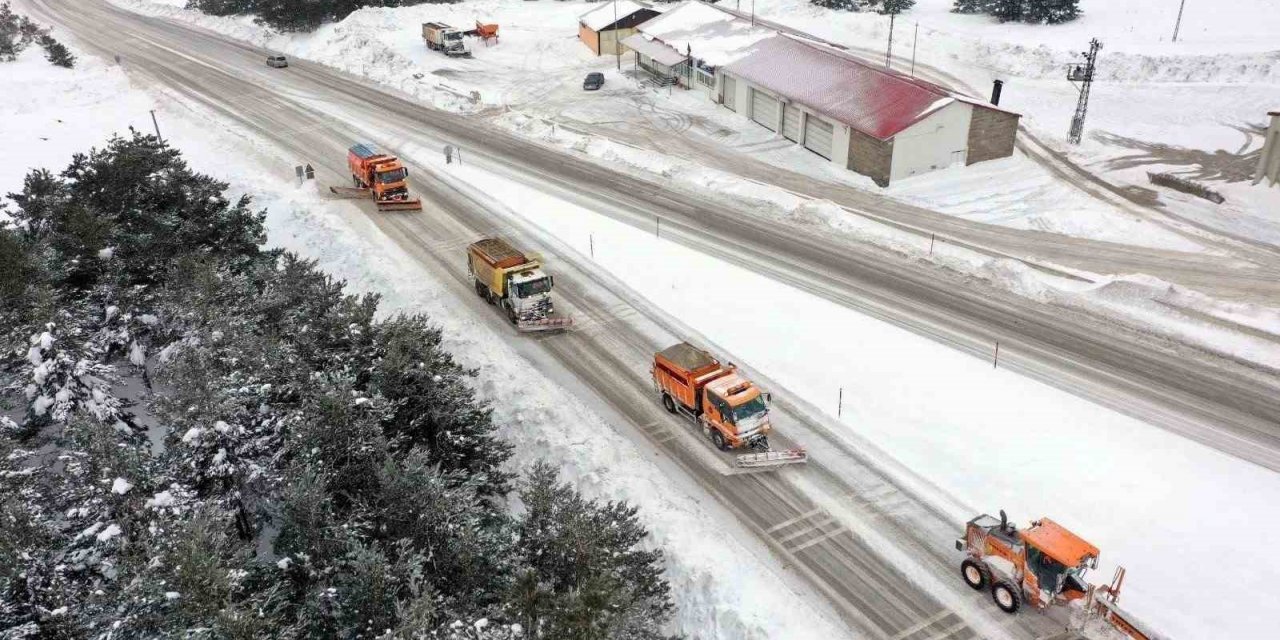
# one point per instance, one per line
(603, 28)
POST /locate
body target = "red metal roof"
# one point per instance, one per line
(874, 100)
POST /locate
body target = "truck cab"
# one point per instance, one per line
(528, 294)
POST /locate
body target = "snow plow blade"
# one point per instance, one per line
(545, 324)
(771, 459)
(350, 192)
(400, 205)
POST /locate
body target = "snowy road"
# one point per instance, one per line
(315, 113)
(1228, 405)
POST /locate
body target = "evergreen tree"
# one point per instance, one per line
(1008, 10)
(1052, 11)
(56, 53)
(589, 578)
(895, 6)
(971, 6)
(842, 5)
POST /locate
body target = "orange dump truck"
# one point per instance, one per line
(731, 410)
(379, 175)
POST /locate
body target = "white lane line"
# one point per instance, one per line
(821, 538)
(786, 523)
(947, 633)
(921, 625)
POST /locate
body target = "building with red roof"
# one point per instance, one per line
(870, 119)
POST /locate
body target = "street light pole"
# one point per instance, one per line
(617, 46)
(1178, 25)
(888, 52)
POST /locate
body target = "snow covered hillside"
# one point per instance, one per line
(725, 583)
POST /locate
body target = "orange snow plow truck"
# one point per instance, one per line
(1042, 565)
(380, 176)
(731, 410)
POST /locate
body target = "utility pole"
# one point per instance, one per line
(156, 125)
(1084, 75)
(617, 46)
(915, 39)
(888, 52)
(1178, 25)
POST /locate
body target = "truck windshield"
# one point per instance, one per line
(533, 287)
(387, 177)
(453, 35)
(752, 409)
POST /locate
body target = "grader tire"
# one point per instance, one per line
(975, 574)
(1007, 596)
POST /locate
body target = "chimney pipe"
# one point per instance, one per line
(996, 87)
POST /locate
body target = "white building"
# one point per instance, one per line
(862, 116)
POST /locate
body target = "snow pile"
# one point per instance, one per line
(706, 32)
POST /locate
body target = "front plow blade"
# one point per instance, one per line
(771, 459)
(545, 324)
(400, 205)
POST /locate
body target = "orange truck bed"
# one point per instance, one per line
(682, 370)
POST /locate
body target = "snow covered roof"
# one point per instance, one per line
(607, 14)
(660, 52)
(715, 35)
(871, 99)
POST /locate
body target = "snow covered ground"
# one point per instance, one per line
(1162, 506)
(726, 583)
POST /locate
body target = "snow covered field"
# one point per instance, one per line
(1151, 500)
(726, 583)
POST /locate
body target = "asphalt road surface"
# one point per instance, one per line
(828, 519)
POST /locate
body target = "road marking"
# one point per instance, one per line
(786, 523)
(813, 526)
(821, 538)
(950, 631)
(927, 622)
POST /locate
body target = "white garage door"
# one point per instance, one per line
(817, 136)
(791, 122)
(730, 98)
(764, 110)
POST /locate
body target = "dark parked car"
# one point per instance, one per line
(594, 81)
(278, 62)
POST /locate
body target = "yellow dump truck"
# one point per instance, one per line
(516, 283)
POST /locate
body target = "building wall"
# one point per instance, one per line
(841, 137)
(589, 38)
(611, 40)
(991, 134)
(939, 141)
(871, 157)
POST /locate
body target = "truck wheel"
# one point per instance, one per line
(355, 181)
(480, 291)
(511, 315)
(717, 439)
(668, 403)
(1006, 595)
(976, 574)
